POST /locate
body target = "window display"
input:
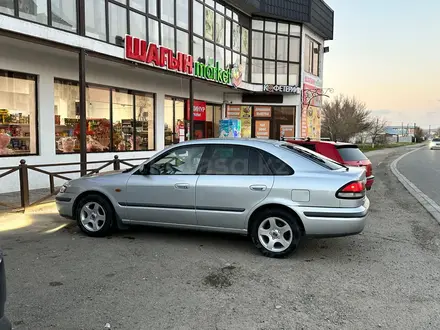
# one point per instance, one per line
(18, 129)
(104, 132)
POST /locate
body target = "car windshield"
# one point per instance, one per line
(351, 153)
(313, 156)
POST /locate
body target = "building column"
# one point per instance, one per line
(46, 122)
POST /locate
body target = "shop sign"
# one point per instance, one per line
(137, 50)
(287, 131)
(280, 89)
(262, 129)
(212, 72)
(199, 109)
(265, 112)
(233, 111)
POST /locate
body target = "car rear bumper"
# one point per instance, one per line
(5, 324)
(370, 181)
(434, 146)
(335, 222)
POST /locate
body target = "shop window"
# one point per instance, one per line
(269, 72)
(220, 8)
(197, 48)
(18, 114)
(228, 33)
(228, 13)
(168, 36)
(282, 49)
(270, 27)
(152, 7)
(174, 119)
(220, 56)
(64, 14)
(182, 42)
(182, 13)
(257, 25)
(219, 29)
(257, 44)
(283, 28)
(209, 51)
(126, 123)
(33, 10)
(122, 2)
(294, 49)
(139, 5)
(167, 10)
(294, 74)
(228, 57)
(138, 25)
(210, 3)
(244, 41)
(153, 31)
(209, 24)
(95, 19)
(198, 18)
(236, 58)
(295, 30)
(7, 7)
(312, 51)
(117, 23)
(123, 122)
(244, 63)
(270, 41)
(281, 73)
(257, 71)
(236, 37)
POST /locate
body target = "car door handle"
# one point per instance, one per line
(181, 186)
(257, 187)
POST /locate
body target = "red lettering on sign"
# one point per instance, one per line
(188, 64)
(173, 64)
(152, 54)
(165, 54)
(135, 49)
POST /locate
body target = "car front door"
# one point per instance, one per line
(233, 180)
(165, 191)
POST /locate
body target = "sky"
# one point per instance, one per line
(386, 53)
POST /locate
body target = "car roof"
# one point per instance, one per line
(239, 141)
(323, 142)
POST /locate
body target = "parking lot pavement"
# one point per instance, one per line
(387, 277)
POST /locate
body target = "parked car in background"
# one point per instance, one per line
(273, 191)
(4, 322)
(434, 144)
(345, 153)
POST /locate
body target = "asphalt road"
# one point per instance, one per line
(422, 168)
(152, 279)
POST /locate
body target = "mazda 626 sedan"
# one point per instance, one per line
(273, 191)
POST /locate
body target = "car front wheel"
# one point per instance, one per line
(94, 216)
(275, 233)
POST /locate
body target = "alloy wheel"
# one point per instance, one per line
(275, 234)
(92, 216)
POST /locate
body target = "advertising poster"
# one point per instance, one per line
(230, 128)
(233, 111)
(262, 129)
(287, 131)
(263, 112)
(246, 121)
(311, 107)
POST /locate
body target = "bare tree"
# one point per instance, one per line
(419, 134)
(377, 128)
(344, 117)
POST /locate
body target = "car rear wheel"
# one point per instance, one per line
(275, 233)
(94, 216)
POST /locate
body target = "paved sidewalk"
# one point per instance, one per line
(13, 199)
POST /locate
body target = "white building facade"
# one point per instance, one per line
(137, 101)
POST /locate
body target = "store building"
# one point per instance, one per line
(135, 68)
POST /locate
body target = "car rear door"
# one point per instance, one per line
(233, 180)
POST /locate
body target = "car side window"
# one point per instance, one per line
(178, 161)
(276, 165)
(226, 160)
(257, 163)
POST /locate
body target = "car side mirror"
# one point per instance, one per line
(144, 169)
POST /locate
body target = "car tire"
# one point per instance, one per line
(94, 215)
(275, 233)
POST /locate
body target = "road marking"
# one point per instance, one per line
(379, 163)
(432, 207)
(50, 231)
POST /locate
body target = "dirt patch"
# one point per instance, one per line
(221, 278)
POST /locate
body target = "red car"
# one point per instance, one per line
(344, 153)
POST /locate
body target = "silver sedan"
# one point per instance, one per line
(273, 191)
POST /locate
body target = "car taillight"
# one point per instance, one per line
(369, 170)
(352, 190)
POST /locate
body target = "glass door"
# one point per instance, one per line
(175, 128)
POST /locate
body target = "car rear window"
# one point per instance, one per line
(313, 156)
(351, 153)
(436, 140)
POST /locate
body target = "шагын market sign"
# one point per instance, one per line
(137, 50)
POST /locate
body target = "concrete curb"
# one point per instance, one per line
(432, 207)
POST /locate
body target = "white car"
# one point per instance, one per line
(434, 144)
